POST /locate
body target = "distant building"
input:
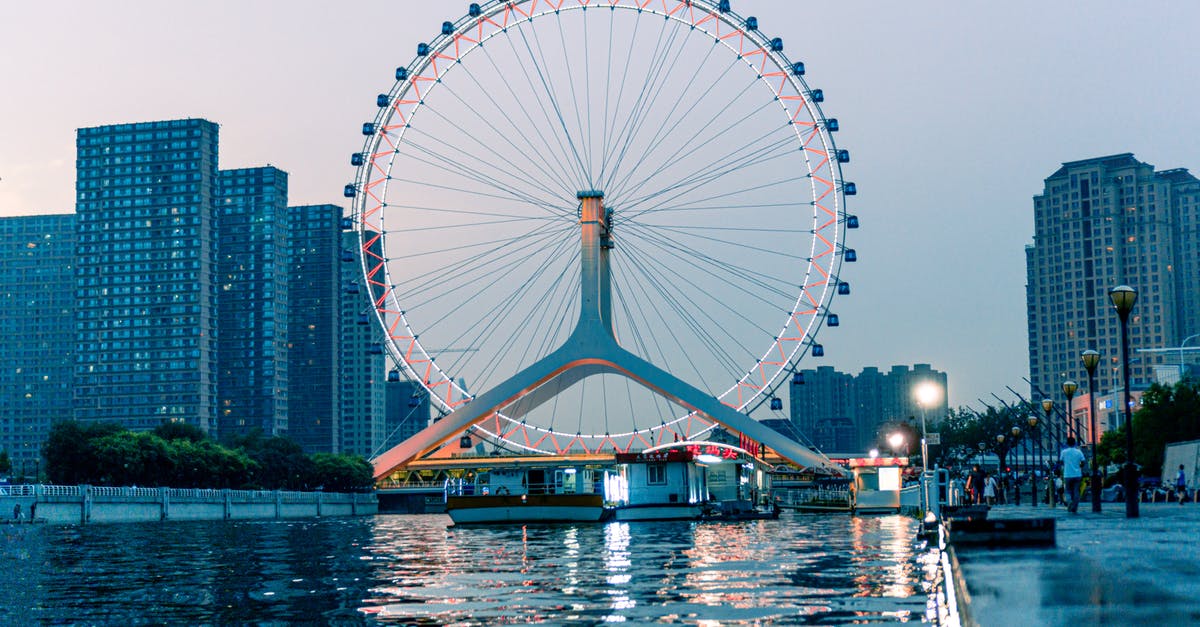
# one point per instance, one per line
(363, 362)
(37, 298)
(145, 295)
(407, 411)
(1099, 223)
(841, 412)
(314, 327)
(253, 269)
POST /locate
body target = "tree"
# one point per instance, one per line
(342, 473)
(281, 463)
(5, 463)
(70, 458)
(170, 431)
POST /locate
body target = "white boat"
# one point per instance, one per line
(527, 494)
(658, 484)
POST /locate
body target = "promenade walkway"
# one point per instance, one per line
(1105, 570)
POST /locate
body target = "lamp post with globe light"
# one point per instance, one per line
(896, 440)
(927, 394)
(1016, 433)
(1091, 359)
(1048, 407)
(1123, 299)
(1033, 423)
(1069, 388)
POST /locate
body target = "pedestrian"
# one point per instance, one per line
(17, 512)
(32, 511)
(1072, 463)
(989, 488)
(1181, 484)
(975, 485)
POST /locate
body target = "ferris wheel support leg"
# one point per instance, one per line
(672, 388)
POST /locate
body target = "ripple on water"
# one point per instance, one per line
(416, 570)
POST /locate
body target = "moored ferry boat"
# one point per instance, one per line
(658, 484)
(527, 494)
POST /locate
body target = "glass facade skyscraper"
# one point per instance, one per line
(314, 324)
(37, 298)
(145, 297)
(253, 269)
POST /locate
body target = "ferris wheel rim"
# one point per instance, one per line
(760, 380)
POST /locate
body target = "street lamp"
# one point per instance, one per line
(1123, 298)
(1033, 422)
(1016, 433)
(1048, 406)
(927, 394)
(1069, 388)
(896, 440)
(1091, 359)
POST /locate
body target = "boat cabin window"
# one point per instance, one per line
(656, 474)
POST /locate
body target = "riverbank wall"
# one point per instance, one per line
(84, 504)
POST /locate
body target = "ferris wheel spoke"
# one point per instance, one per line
(555, 166)
(451, 227)
(584, 137)
(493, 279)
(562, 122)
(702, 129)
(735, 273)
(474, 333)
(681, 191)
(499, 159)
(726, 228)
(660, 269)
(651, 88)
(501, 242)
(661, 319)
(552, 167)
(493, 254)
(606, 149)
(666, 293)
(667, 131)
(651, 271)
(718, 240)
(719, 166)
(471, 174)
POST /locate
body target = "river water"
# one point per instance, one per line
(800, 569)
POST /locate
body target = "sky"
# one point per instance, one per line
(954, 113)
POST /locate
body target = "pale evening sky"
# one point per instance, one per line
(954, 113)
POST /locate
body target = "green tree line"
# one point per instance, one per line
(178, 455)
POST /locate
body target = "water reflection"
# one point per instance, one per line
(416, 570)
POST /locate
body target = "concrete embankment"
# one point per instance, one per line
(85, 504)
(1100, 569)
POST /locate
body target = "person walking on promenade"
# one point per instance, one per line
(989, 489)
(975, 485)
(1181, 485)
(1072, 468)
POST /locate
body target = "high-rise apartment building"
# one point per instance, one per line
(842, 413)
(314, 325)
(1100, 223)
(145, 294)
(252, 271)
(363, 363)
(37, 298)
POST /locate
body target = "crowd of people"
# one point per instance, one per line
(1061, 483)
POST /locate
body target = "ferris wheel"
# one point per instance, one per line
(681, 138)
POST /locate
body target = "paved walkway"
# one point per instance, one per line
(1105, 570)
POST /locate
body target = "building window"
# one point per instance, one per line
(656, 474)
